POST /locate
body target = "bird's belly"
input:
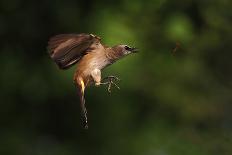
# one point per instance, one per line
(89, 63)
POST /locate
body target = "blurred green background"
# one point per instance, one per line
(167, 105)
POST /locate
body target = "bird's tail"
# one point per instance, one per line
(81, 91)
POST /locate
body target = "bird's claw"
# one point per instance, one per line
(111, 78)
(111, 81)
(110, 85)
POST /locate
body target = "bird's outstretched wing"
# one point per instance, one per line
(67, 49)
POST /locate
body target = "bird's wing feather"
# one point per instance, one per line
(67, 49)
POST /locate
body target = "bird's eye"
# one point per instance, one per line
(127, 48)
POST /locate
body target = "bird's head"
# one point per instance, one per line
(124, 50)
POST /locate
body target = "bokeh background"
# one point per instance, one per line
(168, 104)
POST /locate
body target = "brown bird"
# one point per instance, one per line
(91, 56)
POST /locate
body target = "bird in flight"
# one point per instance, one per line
(91, 56)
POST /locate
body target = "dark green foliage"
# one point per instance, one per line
(167, 104)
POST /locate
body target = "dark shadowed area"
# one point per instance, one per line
(173, 100)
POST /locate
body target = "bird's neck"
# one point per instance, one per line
(113, 54)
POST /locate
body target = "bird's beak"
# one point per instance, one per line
(134, 50)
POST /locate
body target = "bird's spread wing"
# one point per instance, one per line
(67, 49)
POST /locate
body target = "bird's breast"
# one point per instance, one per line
(92, 61)
(98, 62)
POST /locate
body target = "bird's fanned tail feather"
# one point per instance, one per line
(81, 91)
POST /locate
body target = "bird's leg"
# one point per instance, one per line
(96, 75)
(111, 81)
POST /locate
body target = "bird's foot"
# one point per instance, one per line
(111, 81)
